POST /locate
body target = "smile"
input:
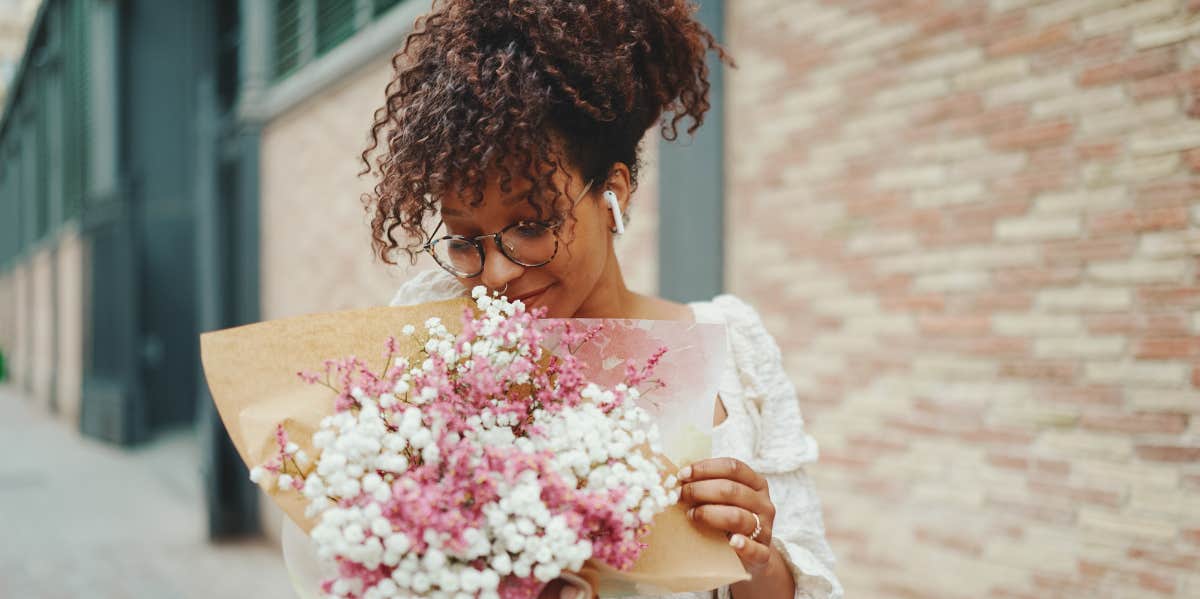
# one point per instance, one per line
(531, 295)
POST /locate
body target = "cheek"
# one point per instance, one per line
(581, 258)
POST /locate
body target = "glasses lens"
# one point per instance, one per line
(529, 243)
(458, 255)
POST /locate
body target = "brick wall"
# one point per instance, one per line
(975, 229)
(316, 238)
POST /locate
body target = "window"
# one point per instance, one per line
(381, 6)
(76, 118)
(307, 29)
(335, 23)
(287, 37)
(10, 235)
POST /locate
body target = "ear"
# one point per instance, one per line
(620, 182)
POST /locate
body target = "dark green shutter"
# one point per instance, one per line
(379, 7)
(76, 117)
(287, 37)
(335, 23)
(307, 29)
(35, 150)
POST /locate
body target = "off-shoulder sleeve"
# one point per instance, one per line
(779, 450)
(428, 286)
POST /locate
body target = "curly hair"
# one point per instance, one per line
(507, 87)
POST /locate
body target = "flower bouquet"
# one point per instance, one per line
(481, 462)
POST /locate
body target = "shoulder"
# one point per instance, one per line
(428, 286)
(761, 385)
(753, 351)
(743, 322)
(656, 308)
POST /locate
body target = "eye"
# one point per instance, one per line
(530, 230)
(459, 247)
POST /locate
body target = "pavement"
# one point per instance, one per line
(80, 518)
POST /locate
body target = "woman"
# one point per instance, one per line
(511, 128)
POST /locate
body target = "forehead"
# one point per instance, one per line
(522, 197)
(494, 200)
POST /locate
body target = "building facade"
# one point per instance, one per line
(121, 210)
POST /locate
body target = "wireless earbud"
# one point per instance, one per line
(615, 206)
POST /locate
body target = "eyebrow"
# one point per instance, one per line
(510, 199)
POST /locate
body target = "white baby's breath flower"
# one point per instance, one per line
(314, 487)
(258, 474)
(421, 582)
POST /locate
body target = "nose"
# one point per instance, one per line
(498, 270)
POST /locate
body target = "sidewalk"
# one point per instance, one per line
(79, 518)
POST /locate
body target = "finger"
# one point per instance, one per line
(729, 519)
(566, 587)
(554, 589)
(723, 492)
(730, 468)
(583, 588)
(754, 555)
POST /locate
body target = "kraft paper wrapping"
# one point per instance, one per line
(251, 372)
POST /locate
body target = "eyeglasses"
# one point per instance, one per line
(528, 243)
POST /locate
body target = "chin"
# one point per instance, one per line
(555, 306)
(544, 299)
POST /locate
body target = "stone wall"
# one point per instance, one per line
(69, 318)
(41, 324)
(40, 359)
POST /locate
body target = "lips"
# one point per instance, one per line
(531, 295)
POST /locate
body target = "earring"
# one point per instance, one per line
(615, 207)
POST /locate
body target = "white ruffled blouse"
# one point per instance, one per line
(763, 428)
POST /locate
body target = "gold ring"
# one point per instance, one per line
(757, 527)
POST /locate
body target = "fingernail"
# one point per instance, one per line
(692, 514)
(686, 473)
(569, 592)
(737, 541)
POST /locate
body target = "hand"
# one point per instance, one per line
(726, 494)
